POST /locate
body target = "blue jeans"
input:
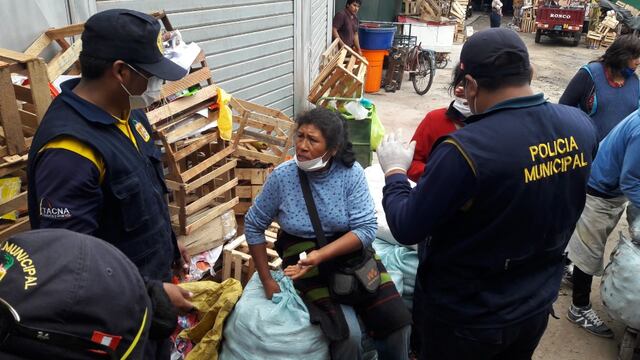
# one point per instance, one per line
(393, 347)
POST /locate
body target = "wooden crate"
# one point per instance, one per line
(264, 134)
(21, 107)
(250, 184)
(342, 74)
(237, 263)
(16, 203)
(410, 7)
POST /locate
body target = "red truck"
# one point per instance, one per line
(559, 22)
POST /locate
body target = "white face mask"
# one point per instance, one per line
(462, 106)
(148, 97)
(313, 164)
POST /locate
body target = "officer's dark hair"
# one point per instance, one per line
(498, 80)
(349, 2)
(334, 130)
(623, 49)
(93, 68)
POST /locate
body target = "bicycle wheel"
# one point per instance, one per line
(423, 76)
(442, 62)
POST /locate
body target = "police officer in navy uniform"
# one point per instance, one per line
(93, 166)
(494, 209)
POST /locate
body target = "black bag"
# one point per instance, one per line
(354, 277)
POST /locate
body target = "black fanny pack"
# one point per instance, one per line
(354, 277)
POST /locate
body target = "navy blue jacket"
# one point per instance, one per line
(131, 211)
(496, 207)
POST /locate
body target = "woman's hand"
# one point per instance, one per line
(297, 271)
(270, 287)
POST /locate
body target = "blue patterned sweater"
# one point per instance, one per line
(341, 195)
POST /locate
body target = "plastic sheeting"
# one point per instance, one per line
(624, 15)
(375, 180)
(277, 329)
(620, 287)
(402, 265)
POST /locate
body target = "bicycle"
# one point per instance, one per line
(421, 66)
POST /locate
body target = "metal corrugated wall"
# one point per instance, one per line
(249, 43)
(319, 34)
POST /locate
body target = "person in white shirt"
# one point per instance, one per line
(496, 13)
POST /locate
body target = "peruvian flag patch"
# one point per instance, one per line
(111, 341)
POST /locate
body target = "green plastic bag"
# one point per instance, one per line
(377, 129)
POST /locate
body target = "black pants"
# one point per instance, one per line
(494, 19)
(515, 342)
(581, 287)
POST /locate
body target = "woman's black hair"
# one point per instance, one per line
(334, 130)
(93, 68)
(456, 79)
(498, 81)
(349, 2)
(623, 49)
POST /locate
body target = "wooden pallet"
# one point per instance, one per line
(528, 25)
(343, 76)
(250, 184)
(264, 134)
(14, 208)
(237, 263)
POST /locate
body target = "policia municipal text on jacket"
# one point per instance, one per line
(496, 208)
(93, 167)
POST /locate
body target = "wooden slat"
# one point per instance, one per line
(62, 63)
(189, 149)
(194, 78)
(264, 137)
(208, 199)
(18, 202)
(29, 119)
(271, 159)
(191, 173)
(39, 84)
(9, 116)
(211, 214)
(210, 176)
(19, 226)
(39, 45)
(243, 191)
(23, 93)
(13, 56)
(255, 108)
(183, 129)
(180, 105)
(67, 31)
(256, 176)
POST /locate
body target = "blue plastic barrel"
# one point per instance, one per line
(376, 38)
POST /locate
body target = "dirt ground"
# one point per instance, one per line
(555, 62)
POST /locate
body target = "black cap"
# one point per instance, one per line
(479, 53)
(130, 36)
(59, 280)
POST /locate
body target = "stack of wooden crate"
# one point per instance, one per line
(604, 34)
(251, 178)
(459, 13)
(528, 20)
(342, 74)
(26, 94)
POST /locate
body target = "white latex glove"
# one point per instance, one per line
(393, 155)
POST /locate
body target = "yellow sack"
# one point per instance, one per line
(214, 302)
(225, 116)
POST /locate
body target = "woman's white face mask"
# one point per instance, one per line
(313, 164)
(462, 106)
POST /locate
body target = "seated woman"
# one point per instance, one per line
(346, 211)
